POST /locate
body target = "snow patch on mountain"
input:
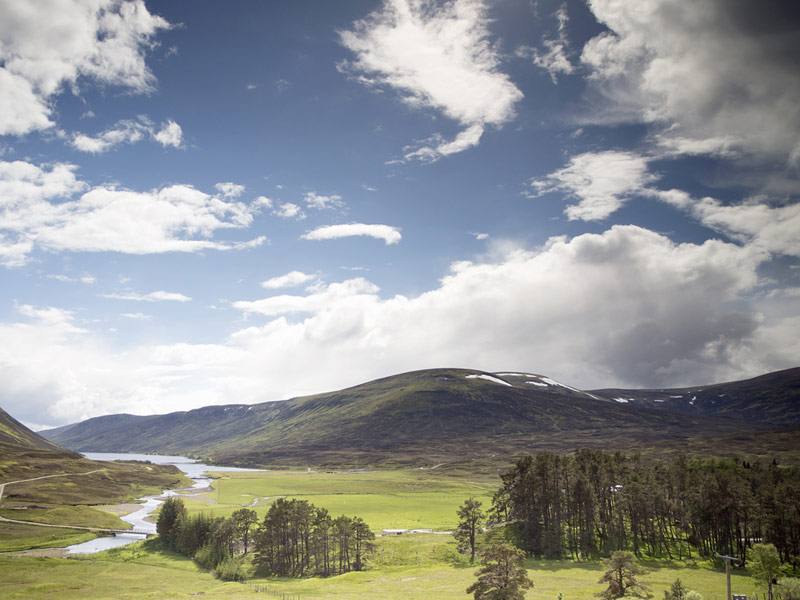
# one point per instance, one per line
(490, 378)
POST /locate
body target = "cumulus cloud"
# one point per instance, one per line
(230, 189)
(291, 279)
(49, 208)
(289, 210)
(771, 229)
(47, 46)
(170, 134)
(123, 132)
(717, 75)
(158, 296)
(314, 200)
(604, 181)
(601, 181)
(349, 291)
(387, 233)
(128, 132)
(436, 57)
(627, 307)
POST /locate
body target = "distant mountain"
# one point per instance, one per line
(771, 399)
(432, 416)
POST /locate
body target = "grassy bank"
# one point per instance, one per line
(418, 567)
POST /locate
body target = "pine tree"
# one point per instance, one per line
(470, 518)
(171, 511)
(621, 574)
(503, 575)
(245, 518)
(676, 592)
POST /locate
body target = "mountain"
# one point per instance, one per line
(14, 433)
(425, 418)
(771, 399)
(25, 454)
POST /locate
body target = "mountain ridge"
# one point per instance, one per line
(421, 418)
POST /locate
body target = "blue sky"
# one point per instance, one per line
(208, 203)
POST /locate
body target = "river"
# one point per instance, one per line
(193, 469)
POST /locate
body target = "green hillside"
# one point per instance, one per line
(14, 433)
(420, 418)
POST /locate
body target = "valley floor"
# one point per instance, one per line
(135, 572)
(407, 567)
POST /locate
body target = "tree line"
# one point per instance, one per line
(593, 503)
(214, 542)
(295, 539)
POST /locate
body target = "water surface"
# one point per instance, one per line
(192, 468)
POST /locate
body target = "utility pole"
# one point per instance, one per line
(728, 560)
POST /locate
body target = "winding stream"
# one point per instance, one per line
(193, 469)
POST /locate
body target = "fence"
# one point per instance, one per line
(262, 588)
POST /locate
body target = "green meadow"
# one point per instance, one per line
(407, 567)
(416, 567)
(405, 499)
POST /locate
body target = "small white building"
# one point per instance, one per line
(394, 531)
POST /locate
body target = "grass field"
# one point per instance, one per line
(429, 569)
(406, 499)
(407, 567)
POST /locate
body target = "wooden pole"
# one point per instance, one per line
(728, 560)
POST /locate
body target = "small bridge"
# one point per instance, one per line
(130, 531)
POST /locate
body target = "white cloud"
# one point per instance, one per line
(624, 308)
(158, 296)
(319, 202)
(170, 134)
(177, 218)
(436, 57)
(772, 229)
(554, 59)
(627, 305)
(291, 279)
(289, 210)
(138, 316)
(602, 181)
(123, 132)
(21, 109)
(387, 233)
(708, 72)
(128, 132)
(349, 291)
(262, 202)
(229, 189)
(47, 46)
(87, 279)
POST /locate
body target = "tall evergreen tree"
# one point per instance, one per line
(503, 575)
(166, 526)
(470, 518)
(621, 573)
(245, 519)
